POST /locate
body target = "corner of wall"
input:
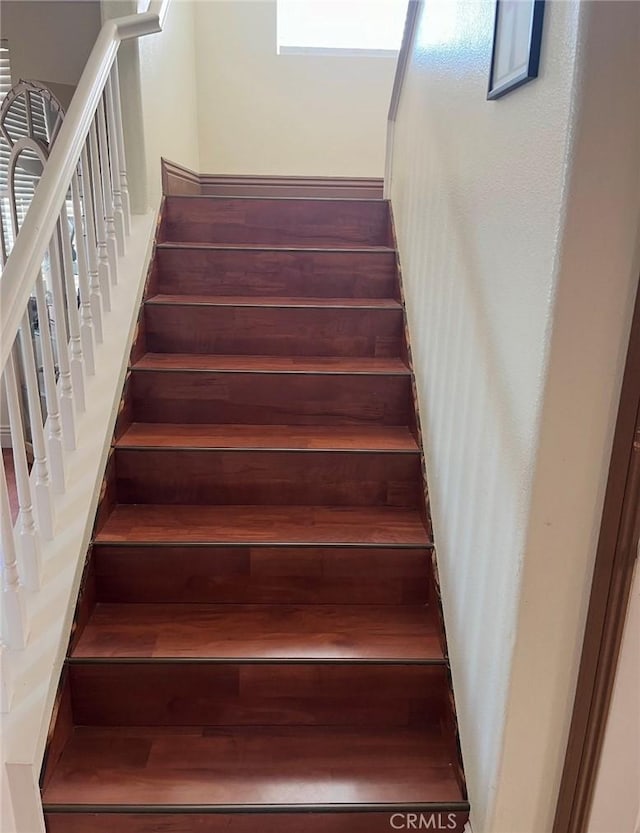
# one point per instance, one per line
(597, 276)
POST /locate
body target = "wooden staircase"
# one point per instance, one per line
(258, 643)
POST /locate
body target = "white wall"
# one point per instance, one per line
(517, 223)
(263, 113)
(168, 93)
(616, 801)
(49, 40)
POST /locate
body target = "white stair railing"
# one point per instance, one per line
(86, 165)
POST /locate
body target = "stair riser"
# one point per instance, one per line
(303, 822)
(267, 477)
(262, 575)
(271, 398)
(312, 274)
(270, 331)
(276, 222)
(252, 694)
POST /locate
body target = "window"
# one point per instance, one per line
(29, 112)
(339, 27)
(5, 86)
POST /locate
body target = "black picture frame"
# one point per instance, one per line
(529, 71)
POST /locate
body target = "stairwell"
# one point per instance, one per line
(258, 643)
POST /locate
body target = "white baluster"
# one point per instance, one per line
(124, 182)
(6, 685)
(53, 424)
(86, 318)
(107, 193)
(73, 316)
(118, 214)
(89, 227)
(14, 614)
(42, 481)
(104, 266)
(66, 399)
(26, 528)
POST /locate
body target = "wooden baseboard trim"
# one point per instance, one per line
(178, 180)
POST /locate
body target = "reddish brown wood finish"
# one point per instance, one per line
(262, 575)
(266, 766)
(379, 526)
(259, 643)
(298, 273)
(258, 694)
(176, 179)
(265, 477)
(60, 729)
(334, 365)
(340, 395)
(274, 331)
(256, 221)
(288, 329)
(284, 437)
(261, 631)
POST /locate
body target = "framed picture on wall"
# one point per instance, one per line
(517, 35)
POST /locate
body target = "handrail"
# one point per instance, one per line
(23, 264)
(410, 23)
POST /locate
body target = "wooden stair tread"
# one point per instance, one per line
(272, 247)
(272, 301)
(390, 438)
(267, 525)
(293, 632)
(275, 199)
(271, 364)
(258, 767)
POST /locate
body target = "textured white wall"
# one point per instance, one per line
(263, 113)
(517, 224)
(168, 95)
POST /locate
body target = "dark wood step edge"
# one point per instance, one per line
(401, 371)
(166, 542)
(218, 301)
(187, 809)
(265, 247)
(298, 661)
(254, 449)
